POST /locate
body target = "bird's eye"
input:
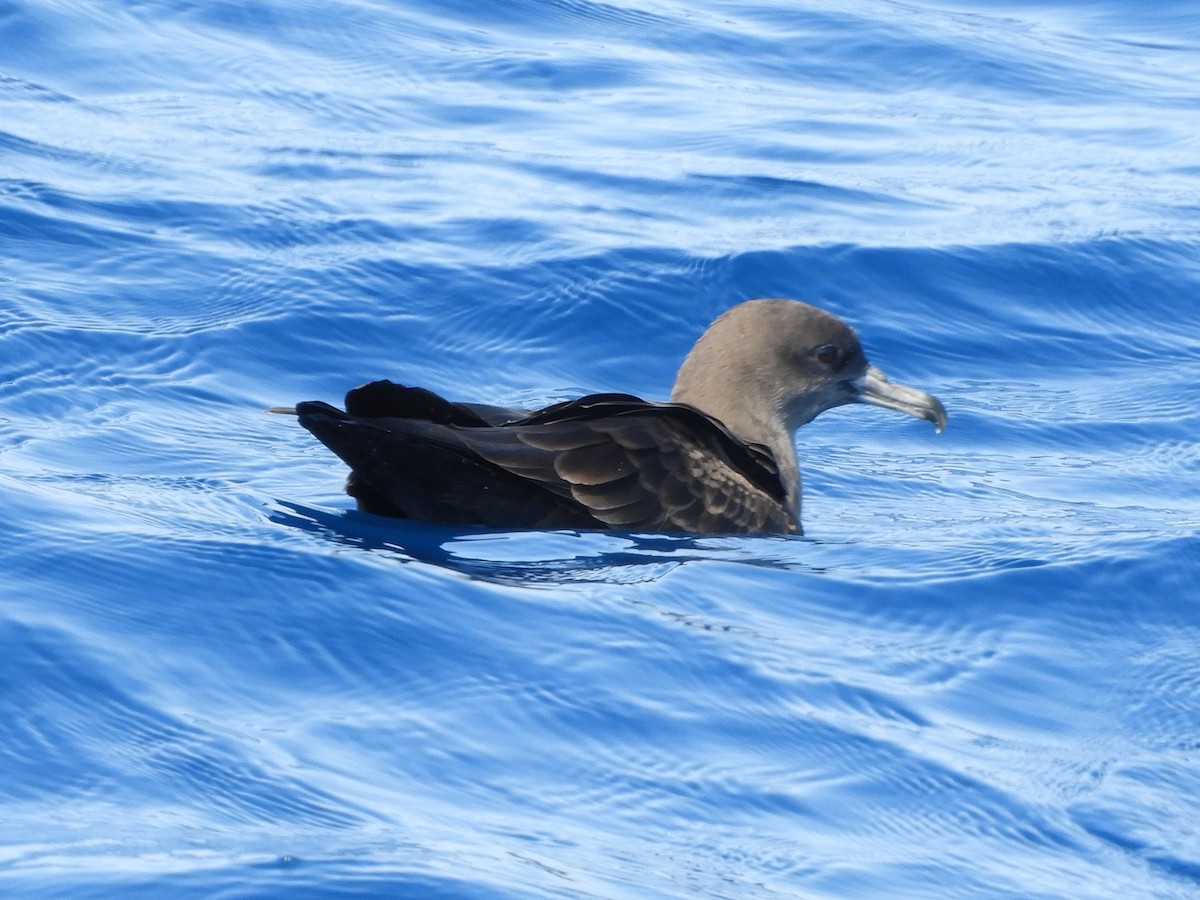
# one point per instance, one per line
(829, 354)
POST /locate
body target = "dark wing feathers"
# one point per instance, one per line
(592, 464)
(697, 485)
(610, 495)
(642, 466)
(607, 460)
(419, 470)
(388, 400)
(752, 460)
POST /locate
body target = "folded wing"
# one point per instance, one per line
(604, 461)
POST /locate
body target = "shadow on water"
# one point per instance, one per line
(557, 558)
(535, 558)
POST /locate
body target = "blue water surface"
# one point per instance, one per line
(976, 676)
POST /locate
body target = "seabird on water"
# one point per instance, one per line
(719, 457)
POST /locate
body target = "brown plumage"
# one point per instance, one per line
(719, 458)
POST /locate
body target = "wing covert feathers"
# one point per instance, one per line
(604, 461)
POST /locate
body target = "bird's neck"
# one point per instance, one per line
(750, 412)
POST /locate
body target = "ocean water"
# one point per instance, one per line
(977, 675)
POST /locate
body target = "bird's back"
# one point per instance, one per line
(600, 462)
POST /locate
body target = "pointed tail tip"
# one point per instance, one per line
(282, 410)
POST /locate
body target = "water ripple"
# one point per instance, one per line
(974, 676)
